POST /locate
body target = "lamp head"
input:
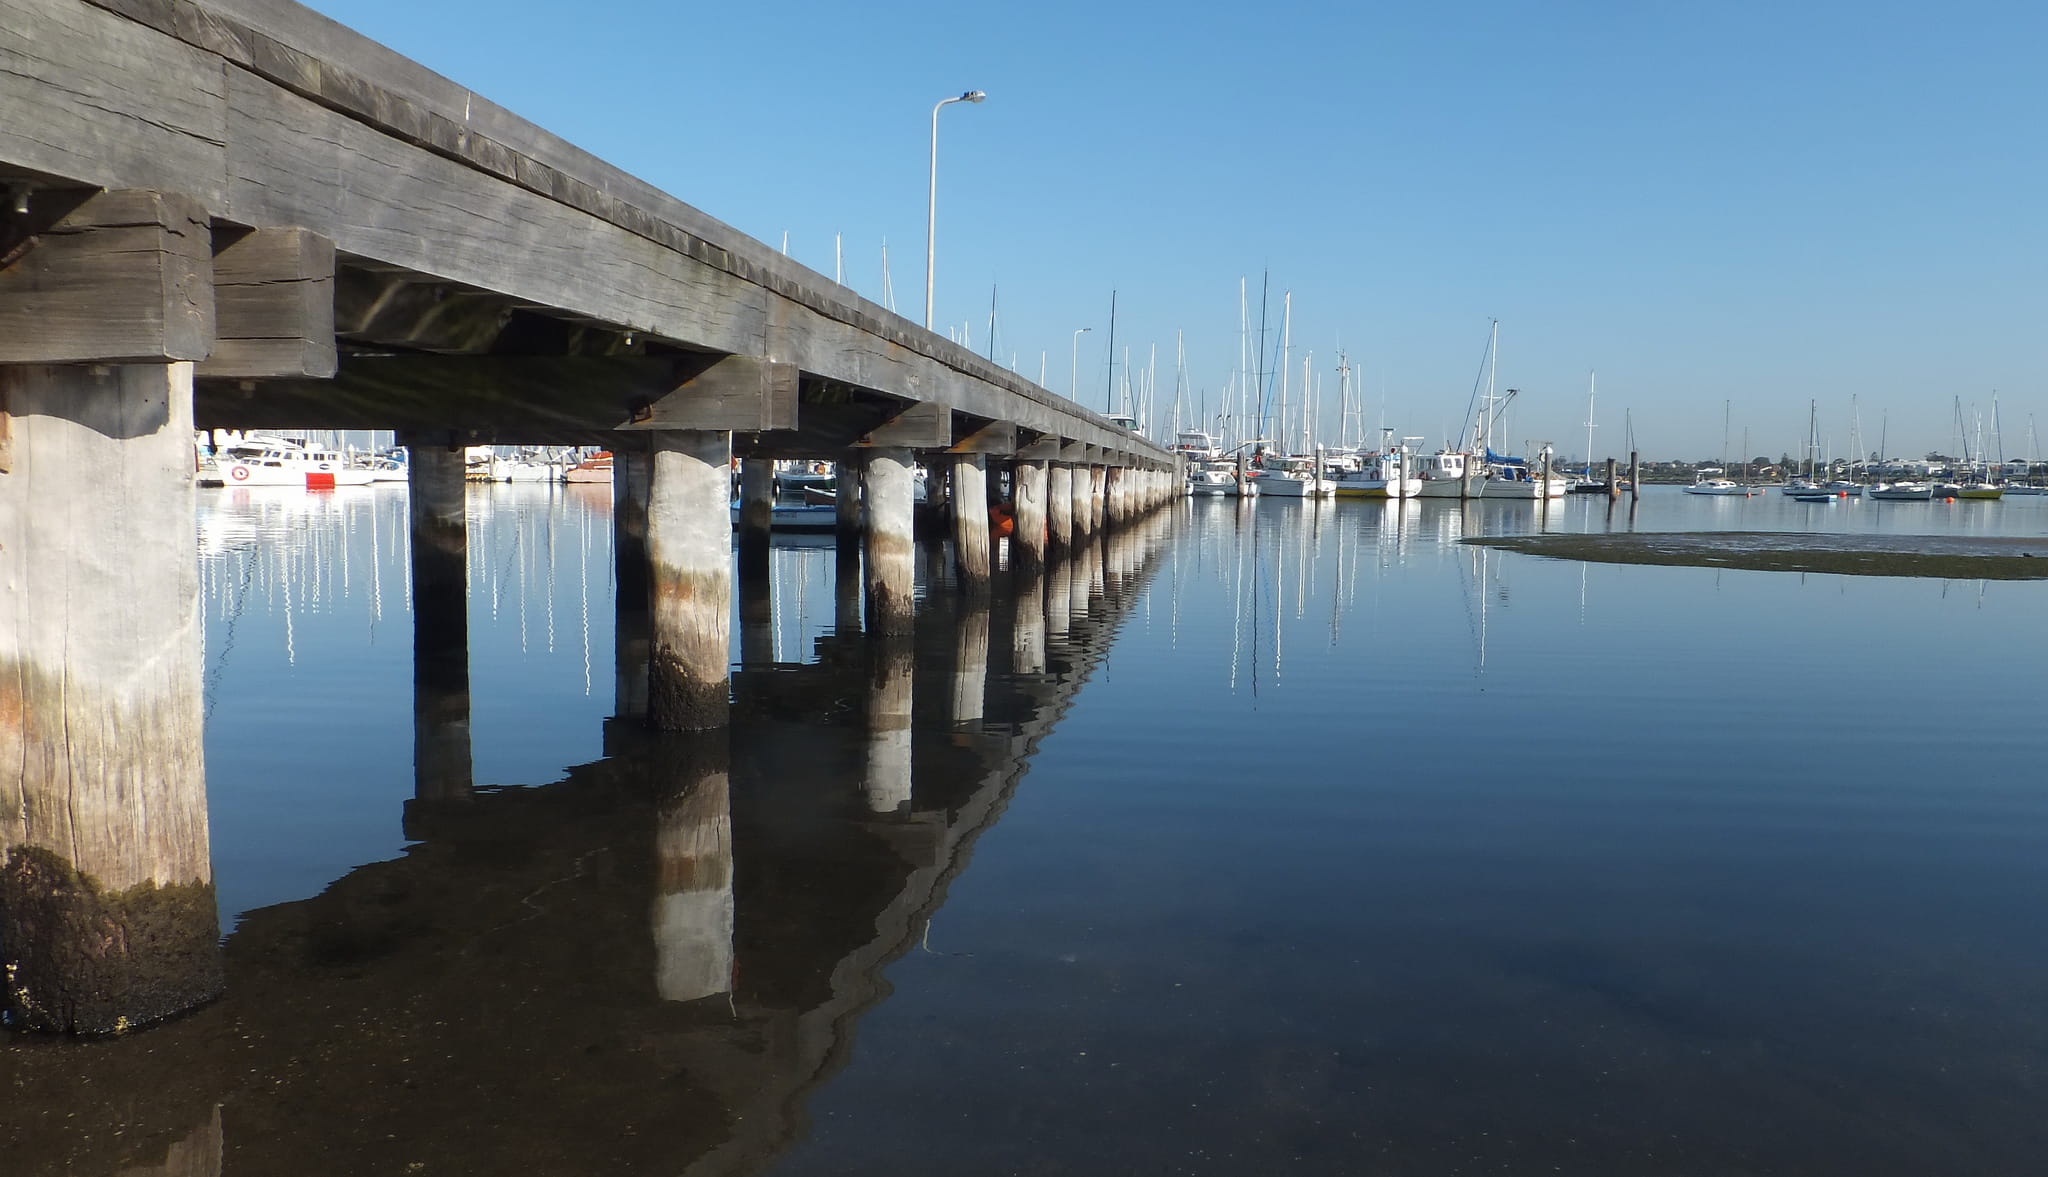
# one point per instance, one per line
(973, 96)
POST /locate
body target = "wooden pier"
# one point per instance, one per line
(237, 214)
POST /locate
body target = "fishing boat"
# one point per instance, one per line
(1294, 477)
(1197, 446)
(1514, 478)
(1389, 474)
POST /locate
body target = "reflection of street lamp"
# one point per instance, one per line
(931, 208)
(1074, 361)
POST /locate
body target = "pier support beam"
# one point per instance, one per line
(757, 515)
(890, 570)
(107, 916)
(438, 500)
(1098, 499)
(971, 549)
(846, 476)
(1083, 511)
(689, 547)
(632, 479)
(1059, 508)
(1028, 518)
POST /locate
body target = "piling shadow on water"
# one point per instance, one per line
(1939, 556)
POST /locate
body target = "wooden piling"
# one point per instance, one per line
(890, 569)
(971, 548)
(846, 504)
(107, 911)
(757, 515)
(1613, 487)
(632, 476)
(1059, 509)
(1029, 508)
(1635, 473)
(1098, 499)
(438, 501)
(689, 547)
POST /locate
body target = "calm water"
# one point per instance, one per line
(1281, 838)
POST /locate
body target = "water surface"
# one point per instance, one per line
(1285, 837)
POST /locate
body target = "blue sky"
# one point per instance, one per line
(1738, 202)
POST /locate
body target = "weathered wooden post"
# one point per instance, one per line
(846, 575)
(689, 547)
(1059, 508)
(757, 515)
(1635, 473)
(1098, 499)
(107, 914)
(632, 478)
(438, 500)
(693, 902)
(890, 567)
(1081, 523)
(971, 548)
(1613, 487)
(1028, 531)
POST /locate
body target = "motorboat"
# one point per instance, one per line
(1386, 475)
(278, 461)
(595, 468)
(1294, 477)
(1717, 486)
(1900, 492)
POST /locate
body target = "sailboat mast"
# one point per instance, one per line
(1109, 378)
(1286, 359)
(1591, 386)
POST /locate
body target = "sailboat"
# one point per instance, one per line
(1585, 483)
(1719, 486)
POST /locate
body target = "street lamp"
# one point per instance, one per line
(1074, 361)
(931, 208)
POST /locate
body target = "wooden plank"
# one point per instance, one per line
(921, 425)
(6, 435)
(106, 102)
(535, 399)
(293, 162)
(126, 276)
(735, 393)
(996, 437)
(273, 293)
(1045, 449)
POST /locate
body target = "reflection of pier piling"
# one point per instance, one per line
(685, 934)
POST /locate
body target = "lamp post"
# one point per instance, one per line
(931, 208)
(1074, 360)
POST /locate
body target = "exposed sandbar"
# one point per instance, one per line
(1942, 556)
